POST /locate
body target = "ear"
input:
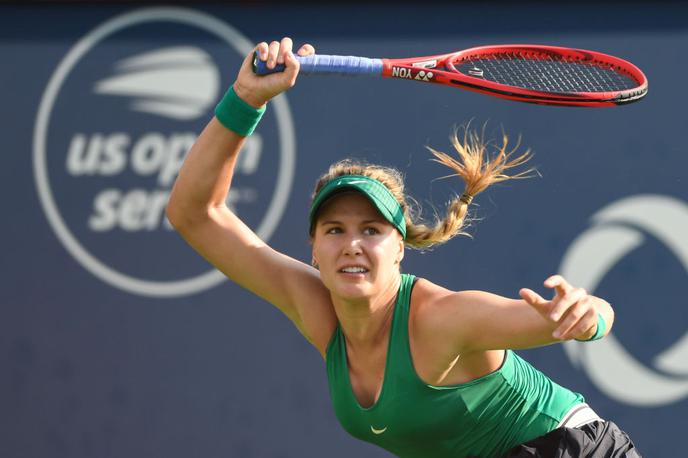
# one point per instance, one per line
(314, 259)
(402, 250)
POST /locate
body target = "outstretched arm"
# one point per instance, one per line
(480, 321)
(198, 211)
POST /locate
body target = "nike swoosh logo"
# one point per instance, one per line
(378, 431)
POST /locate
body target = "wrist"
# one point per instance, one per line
(595, 332)
(588, 334)
(237, 115)
(248, 96)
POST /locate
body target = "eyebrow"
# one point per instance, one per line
(368, 221)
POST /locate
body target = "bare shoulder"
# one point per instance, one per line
(441, 314)
(431, 306)
(432, 302)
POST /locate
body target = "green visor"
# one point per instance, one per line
(376, 192)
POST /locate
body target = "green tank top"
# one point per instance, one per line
(484, 417)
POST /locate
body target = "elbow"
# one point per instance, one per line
(174, 213)
(173, 217)
(180, 216)
(186, 217)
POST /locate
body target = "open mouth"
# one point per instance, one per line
(353, 270)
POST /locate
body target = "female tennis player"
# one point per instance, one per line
(416, 368)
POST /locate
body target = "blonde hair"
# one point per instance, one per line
(478, 163)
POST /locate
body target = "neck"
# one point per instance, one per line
(366, 322)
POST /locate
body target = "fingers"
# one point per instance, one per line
(560, 285)
(578, 320)
(280, 52)
(273, 51)
(284, 49)
(571, 309)
(257, 90)
(535, 300)
(306, 50)
(561, 304)
(262, 50)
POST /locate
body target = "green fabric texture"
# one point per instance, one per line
(411, 419)
(376, 192)
(237, 115)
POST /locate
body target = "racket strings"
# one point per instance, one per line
(548, 74)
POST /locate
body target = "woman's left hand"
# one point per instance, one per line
(572, 309)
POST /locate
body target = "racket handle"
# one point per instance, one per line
(322, 64)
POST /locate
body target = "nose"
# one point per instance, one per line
(352, 246)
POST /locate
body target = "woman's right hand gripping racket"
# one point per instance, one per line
(547, 75)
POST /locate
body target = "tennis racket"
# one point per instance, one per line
(547, 75)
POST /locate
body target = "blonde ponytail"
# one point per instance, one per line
(479, 164)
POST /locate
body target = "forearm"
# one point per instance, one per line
(488, 321)
(206, 175)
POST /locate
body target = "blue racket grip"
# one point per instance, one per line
(322, 64)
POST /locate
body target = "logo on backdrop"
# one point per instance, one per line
(617, 230)
(113, 127)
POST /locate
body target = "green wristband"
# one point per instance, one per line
(237, 115)
(601, 328)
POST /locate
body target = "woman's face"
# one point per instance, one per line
(357, 250)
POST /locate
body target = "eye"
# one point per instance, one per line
(370, 231)
(334, 230)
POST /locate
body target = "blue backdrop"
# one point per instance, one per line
(117, 340)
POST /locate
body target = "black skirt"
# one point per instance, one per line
(599, 439)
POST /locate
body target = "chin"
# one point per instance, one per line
(356, 290)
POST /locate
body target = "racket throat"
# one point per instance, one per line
(409, 72)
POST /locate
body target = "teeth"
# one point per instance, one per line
(354, 270)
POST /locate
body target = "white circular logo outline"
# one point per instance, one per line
(588, 259)
(84, 257)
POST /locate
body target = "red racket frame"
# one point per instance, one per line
(418, 68)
